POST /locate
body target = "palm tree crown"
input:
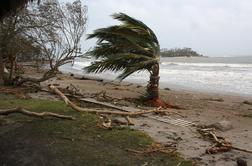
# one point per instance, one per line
(129, 47)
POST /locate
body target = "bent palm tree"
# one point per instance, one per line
(129, 47)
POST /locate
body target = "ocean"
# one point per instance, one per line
(227, 75)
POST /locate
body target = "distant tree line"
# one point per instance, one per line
(179, 52)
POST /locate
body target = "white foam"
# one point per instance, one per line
(214, 77)
(209, 64)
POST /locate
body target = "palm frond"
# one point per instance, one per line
(129, 47)
(131, 21)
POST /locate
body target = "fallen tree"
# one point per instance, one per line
(121, 112)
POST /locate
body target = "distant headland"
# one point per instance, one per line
(179, 52)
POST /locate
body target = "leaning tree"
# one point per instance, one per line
(129, 47)
(8, 7)
(53, 29)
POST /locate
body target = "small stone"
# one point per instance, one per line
(241, 162)
(223, 125)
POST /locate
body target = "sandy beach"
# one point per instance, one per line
(179, 126)
(199, 108)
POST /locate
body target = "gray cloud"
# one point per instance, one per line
(211, 27)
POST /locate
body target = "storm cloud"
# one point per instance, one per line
(211, 27)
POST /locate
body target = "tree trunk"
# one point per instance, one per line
(12, 67)
(1, 70)
(153, 85)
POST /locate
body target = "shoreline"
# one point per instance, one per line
(230, 77)
(173, 87)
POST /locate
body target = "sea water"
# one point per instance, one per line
(211, 74)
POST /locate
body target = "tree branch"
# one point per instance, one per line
(34, 114)
(80, 109)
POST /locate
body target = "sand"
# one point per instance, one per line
(200, 108)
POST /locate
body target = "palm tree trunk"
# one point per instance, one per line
(153, 85)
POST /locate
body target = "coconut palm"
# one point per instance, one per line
(130, 47)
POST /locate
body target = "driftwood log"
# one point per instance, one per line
(34, 114)
(121, 113)
(221, 145)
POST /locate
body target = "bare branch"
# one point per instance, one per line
(34, 114)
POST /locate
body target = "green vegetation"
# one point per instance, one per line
(130, 47)
(248, 115)
(50, 141)
(179, 52)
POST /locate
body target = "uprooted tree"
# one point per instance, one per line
(130, 47)
(53, 32)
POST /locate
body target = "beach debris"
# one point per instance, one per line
(129, 120)
(73, 90)
(108, 105)
(33, 114)
(220, 143)
(222, 125)
(104, 122)
(169, 120)
(122, 112)
(87, 78)
(247, 102)
(156, 148)
(102, 96)
(119, 122)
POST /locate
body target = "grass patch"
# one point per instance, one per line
(248, 115)
(52, 141)
(34, 104)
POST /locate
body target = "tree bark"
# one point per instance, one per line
(153, 85)
(12, 67)
(1, 70)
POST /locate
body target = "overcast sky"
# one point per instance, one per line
(211, 27)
